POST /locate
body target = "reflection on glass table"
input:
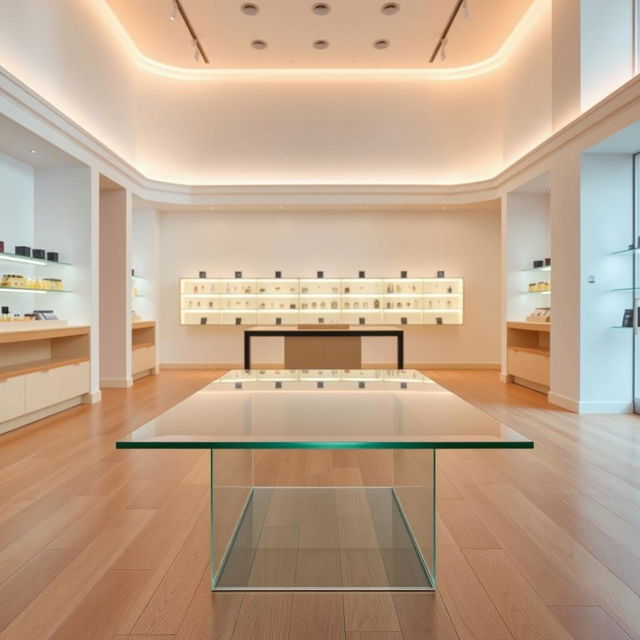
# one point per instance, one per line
(323, 479)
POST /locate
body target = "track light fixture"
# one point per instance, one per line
(176, 8)
(442, 40)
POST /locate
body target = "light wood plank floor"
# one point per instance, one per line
(97, 543)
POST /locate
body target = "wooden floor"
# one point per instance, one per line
(533, 545)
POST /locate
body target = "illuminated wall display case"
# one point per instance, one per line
(286, 301)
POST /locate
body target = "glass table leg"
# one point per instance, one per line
(307, 537)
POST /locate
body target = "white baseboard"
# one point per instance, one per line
(605, 407)
(27, 418)
(144, 373)
(587, 406)
(92, 398)
(116, 383)
(564, 401)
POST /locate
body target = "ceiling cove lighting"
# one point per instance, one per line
(442, 41)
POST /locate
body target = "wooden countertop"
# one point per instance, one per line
(143, 324)
(544, 327)
(26, 335)
(37, 365)
(142, 345)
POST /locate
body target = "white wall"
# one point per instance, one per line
(329, 132)
(16, 225)
(565, 66)
(565, 295)
(527, 229)
(606, 48)
(62, 51)
(527, 103)
(144, 260)
(464, 243)
(115, 288)
(606, 372)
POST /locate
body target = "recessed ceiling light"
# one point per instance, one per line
(259, 44)
(321, 8)
(320, 44)
(250, 9)
(389, 8)
(380, 44)
(32, 151)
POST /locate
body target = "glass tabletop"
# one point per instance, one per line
(357, 409)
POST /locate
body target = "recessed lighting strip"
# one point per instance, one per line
(443, 36)
(192, 32)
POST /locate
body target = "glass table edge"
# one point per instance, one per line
(124, 444)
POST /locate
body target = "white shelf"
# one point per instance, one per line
(339, 302)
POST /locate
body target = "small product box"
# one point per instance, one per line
(23, 251)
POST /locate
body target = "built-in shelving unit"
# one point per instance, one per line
(32, 290)
(14, 257)
(528, 351)
(42, 371)
(143, 346)
(221, 301)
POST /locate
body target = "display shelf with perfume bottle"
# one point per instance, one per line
(214, 301)
(28, 259)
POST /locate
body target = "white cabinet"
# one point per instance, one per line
(74, 380)
(525, 364)
(41, 389)
(11, 397)
(143, 359)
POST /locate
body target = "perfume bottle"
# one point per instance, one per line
(376, 304)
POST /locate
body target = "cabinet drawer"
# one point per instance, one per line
(41, 389)
(529, 366)
(143, 359)
(11, 398)
(74, 380)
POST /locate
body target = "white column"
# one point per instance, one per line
(115, 288)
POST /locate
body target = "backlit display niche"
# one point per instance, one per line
(286, 301)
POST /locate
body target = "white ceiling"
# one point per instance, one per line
(30, 149)
(289, 27)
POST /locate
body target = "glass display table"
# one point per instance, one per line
(323, 480)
